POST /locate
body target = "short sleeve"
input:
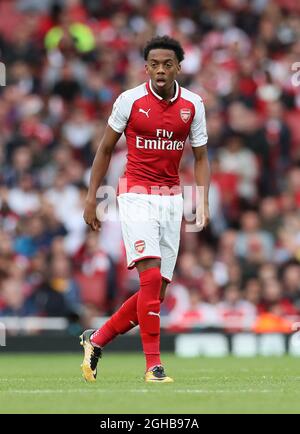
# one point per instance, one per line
(120, 114)
(198, 133)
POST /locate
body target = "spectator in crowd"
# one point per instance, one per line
(24, 198)
(270, 216)
(291, 283)
(94, 267)
(61, 293)
(237, 159)
(237, 314)
(253, 246)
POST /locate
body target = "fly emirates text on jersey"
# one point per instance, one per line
(163, 142)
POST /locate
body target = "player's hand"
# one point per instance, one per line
(202, 216)
(90, 216)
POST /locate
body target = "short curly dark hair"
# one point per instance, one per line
(164, 42)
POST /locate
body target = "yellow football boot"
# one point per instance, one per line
(91, 357)
(157, 375)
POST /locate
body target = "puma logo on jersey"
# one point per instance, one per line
(145, 112)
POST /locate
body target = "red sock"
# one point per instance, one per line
(148, 307)
(121, 322)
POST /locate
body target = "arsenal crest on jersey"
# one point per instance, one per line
(185, 114)
(139, 246)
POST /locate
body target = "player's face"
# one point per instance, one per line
(162, 66)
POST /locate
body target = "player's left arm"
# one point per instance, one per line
(202, 179)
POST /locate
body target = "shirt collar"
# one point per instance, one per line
(159, 97)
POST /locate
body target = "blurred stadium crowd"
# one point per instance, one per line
(66, 62)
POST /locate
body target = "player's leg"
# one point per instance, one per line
(120, 323)
(123, 320)
(126, 316)
(141, 238)
(148, 310)
(141, 234)
(93, 341)
(169, 244)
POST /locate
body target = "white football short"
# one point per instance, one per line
(151, 228)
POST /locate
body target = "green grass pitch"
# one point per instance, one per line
(53, 384)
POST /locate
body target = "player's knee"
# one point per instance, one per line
(151, 279)
(145, 264)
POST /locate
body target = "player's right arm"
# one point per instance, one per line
(116, 125)
(99, 169)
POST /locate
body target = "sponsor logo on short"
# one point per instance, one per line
(140, 246)
(185, 114)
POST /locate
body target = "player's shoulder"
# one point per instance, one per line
(131, 95)
(191, 96)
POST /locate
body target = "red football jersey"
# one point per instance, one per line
(156, 131)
